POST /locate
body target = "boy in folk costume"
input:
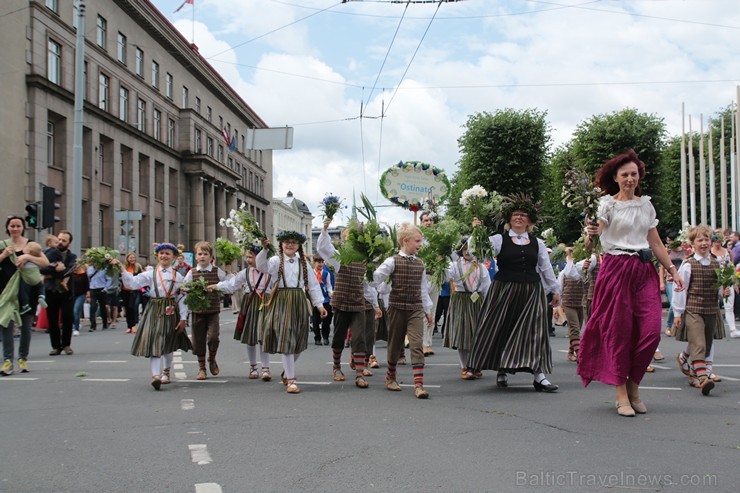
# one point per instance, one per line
(206, 322)
(695, 309)
(162, 325)
(409, 306)
(355, 306)
(573, 289)
(254, 285)
(288, 311)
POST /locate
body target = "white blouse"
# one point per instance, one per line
(626, 224)
(544, 267)
(231, 284)
(292, 274)
(164, 279)
(476, 280)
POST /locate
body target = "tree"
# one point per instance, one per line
(565, 222)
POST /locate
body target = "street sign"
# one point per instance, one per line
(127, 216)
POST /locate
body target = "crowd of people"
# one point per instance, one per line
(496, 314)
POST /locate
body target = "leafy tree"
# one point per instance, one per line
(565, 222)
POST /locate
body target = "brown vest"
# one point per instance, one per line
(406, 283)
(348, 291)
(214, 297)
(701, 295)
(573, 290)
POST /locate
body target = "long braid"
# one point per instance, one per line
(281, 276)
(304, 268)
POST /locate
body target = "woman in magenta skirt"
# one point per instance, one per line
(623, 331)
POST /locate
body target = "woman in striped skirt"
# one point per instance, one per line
(471, 282)
(162, 325)
(288, 310)
(255, 287)
(513, 327)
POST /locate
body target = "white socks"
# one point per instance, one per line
(252, 355)
(167, 360)
(539, 377)
(462, 355)
(156, 364)
(289, 365)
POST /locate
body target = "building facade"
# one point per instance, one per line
(292, 214)
(164, 134)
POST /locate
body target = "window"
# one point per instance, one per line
(123, 104)
(102, 32)
(121, 48)
(184, 97)
(230, 163)
(141, 115)
(54, 62)
(139, 62)
(52, 5)
(209, 113)
(197, 105)
(236, 138)
(168, 85)
(198, 143)
(157, 124)
(50, 132)
(220, 154)
(155, 74)
(171, 132)
(103, 92)
(220, 123)
(209, 146)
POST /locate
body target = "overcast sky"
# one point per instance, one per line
(313, 64)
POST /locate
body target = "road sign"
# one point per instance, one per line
(127, 216)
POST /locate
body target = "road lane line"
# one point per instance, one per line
(202, 381)
(106, 379)
(108, 361)
(731, 379)
(660, 388)
(187, 404)
(181, 375)
(208, 488)
(715, 365)
(199, 454)
(17, 379)
(177, 366)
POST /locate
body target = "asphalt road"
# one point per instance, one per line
(91, 422)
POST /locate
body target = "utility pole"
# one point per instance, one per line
(76, 202)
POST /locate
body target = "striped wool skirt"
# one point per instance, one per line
(286, 321)
(462, 316)
(250, 319)
(156, 334)
(381, 324)
(512, 330)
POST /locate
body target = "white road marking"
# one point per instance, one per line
(208, 488)
(178, 352)
(661, 367)
(108, 361)
(187, 404)
(176, 359)
(313, 383)
(43, 361)
(177, 366)
(180, 375)
(202, 381)
(726, 366)
(428, 386)
(731, 379)
(17, 379)
(106, 379)
(660, 388)
(199, 454)
(442, 364)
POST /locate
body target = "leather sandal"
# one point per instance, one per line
(420, 392)
(253, 373)
(466, 375)
(361, 382)
(624, 409)
(283, 379)
(374, 362)
(165, 376)
(392, 384)
(292, 388)
(337, 375)
(367, 372)
(202, 375)
(266, 376)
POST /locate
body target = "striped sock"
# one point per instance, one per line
(212, 356)
(699, 367)
(575, 345)
(392, 370)
(418, 374)
(202, 361)
(403, 353)
(359, 359)
(337, 355)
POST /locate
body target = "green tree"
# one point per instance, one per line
(565, 222)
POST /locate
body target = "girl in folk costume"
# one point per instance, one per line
(573, 289)
(695, 309)
(255, 287)
(409, 306)
(162, 325)
(471, 281)
(206, 322)
(288, 313)
(355, 308)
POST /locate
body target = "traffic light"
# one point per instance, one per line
(49, 206)
(32, 215)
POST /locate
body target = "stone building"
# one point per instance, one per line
(156, 121)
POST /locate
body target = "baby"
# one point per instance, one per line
(31, 251)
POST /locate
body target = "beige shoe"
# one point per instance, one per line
(266, 376)
(638, 406)
(401, 361)
(292, 388)
(391, 384)
(420, 392)
(361, 382)
(337, 375)
(202, 375)
(624, 409)
(572, 356)
(374, 362)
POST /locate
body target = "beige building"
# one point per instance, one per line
(155, 116)
(292, 214)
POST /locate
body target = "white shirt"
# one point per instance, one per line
(544, 268)
(385, 270)
(292, 273)
(478, 281)
(679, 297)
(626, 224)
(164, 278)
(233, 283)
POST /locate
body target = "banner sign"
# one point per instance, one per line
(409, 184)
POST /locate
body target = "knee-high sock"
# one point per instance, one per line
(264, 357)
(289, 366)
(418, 371)
(462, 355)
(359, 360)
(156, 364)
(252, 355)
(167, 360)
(336, 355)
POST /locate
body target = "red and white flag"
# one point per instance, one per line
(186, 2)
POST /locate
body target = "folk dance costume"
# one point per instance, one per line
(206, 323)
(353, 304)
(471, 281)
(573, 289)
(698, 307)
(288, 311)
(408, 303)
(513, 328)
(254, 284)
(157, 338)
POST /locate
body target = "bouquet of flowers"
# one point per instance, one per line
(481, 204)
(726, 277)
(439, 243)
(99, 258)
(548, 236)
(245, 227)
(196, 297)
(579, 193)
(683, 235)
(330, 205)
(226, 251)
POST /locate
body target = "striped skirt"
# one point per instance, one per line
(462, 316)
(381, 324)
(286, 321)
(512, 330)
(249, 321)
(156, 334)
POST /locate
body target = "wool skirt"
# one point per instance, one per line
(286, 321)
(156, 334)
(462, 316)
(623, 331)
(248, 322)
(512, 333)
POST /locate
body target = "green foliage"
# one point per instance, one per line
(226, 251)
(196, 298)
(440, 241)
(366, 242)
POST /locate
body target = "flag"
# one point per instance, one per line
(226, 136)
(186, 2)
(232, 146)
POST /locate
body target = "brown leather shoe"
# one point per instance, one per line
(420, 392)
(466, 375)
(337, 375)
(361, 382)
(266, 376)
(292, 388)
(706, 384)
(213, 366)
(68, 350)
(391, 384)
(55, 352)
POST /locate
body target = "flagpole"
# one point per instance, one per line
(692, 176)
(192, 24)
(684, 185)
(723, 176)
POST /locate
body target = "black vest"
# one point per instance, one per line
(517, 263)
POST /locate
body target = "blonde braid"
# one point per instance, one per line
(304, 268)
(281, 269)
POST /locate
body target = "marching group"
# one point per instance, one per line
(611, 300)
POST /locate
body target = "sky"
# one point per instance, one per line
(416, 71)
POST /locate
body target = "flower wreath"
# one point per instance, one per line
(290, 235)
(414, 206)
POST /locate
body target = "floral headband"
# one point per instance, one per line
(291, 235)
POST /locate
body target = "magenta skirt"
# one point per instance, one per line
(623, 332)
